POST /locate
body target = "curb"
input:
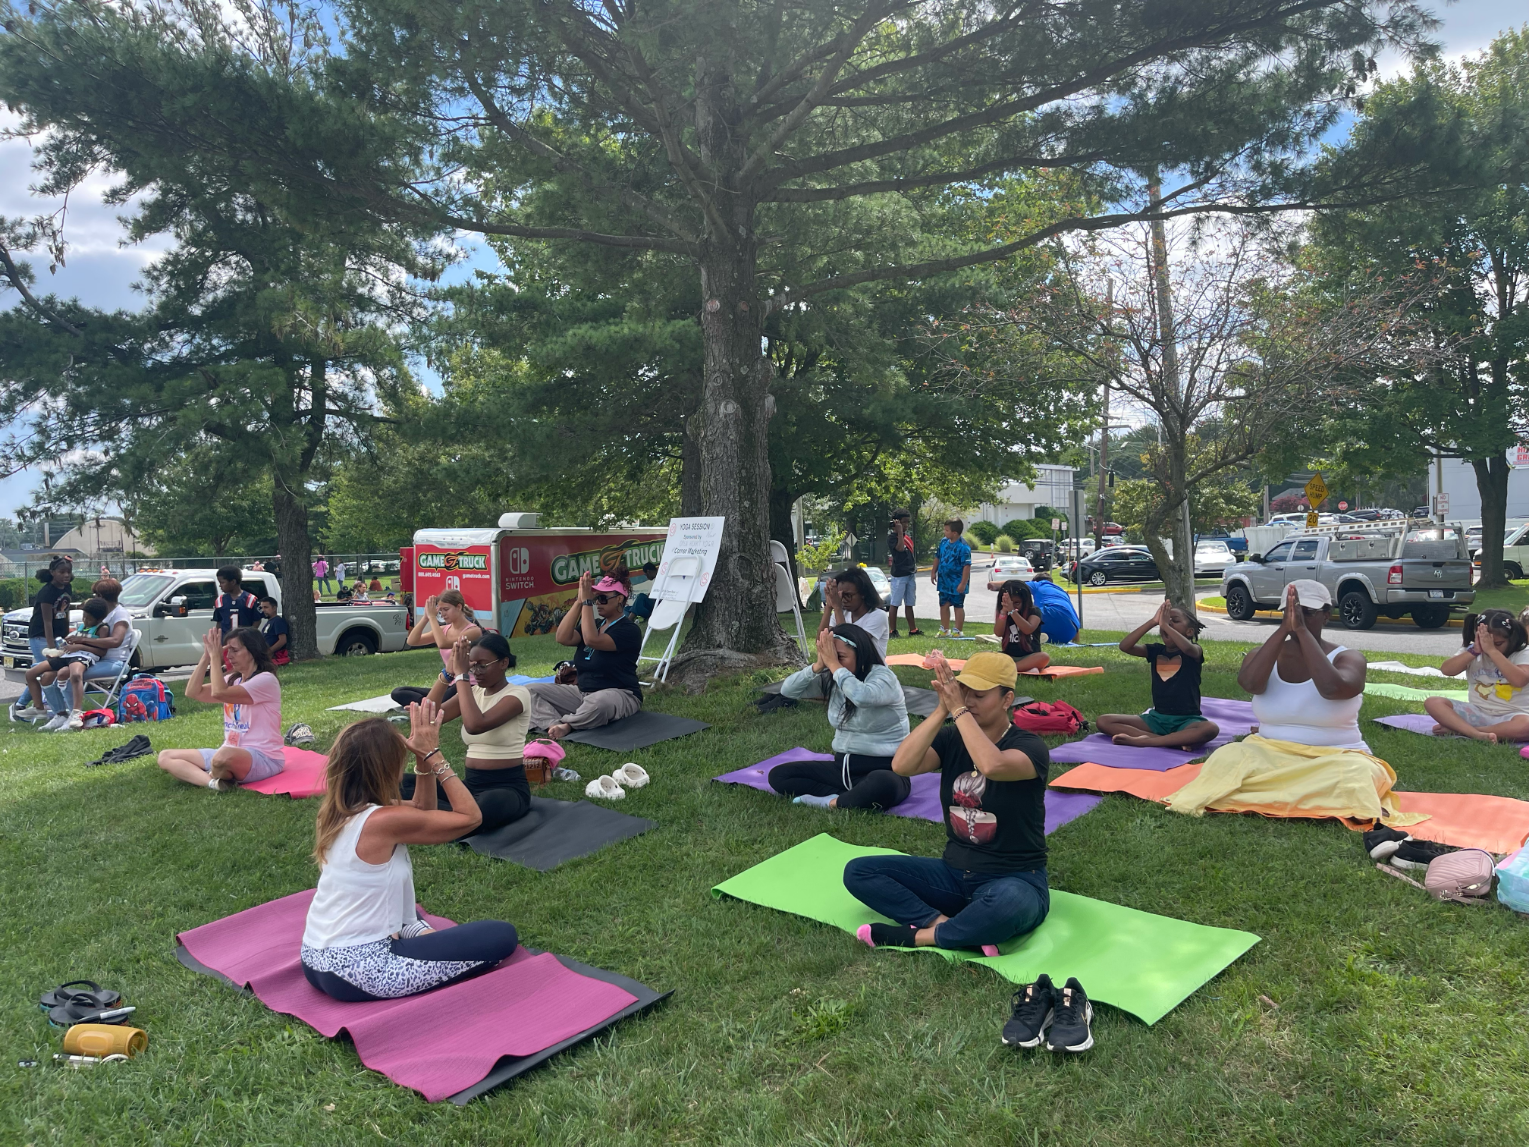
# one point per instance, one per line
(1274, 615)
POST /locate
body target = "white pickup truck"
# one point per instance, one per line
(172, 609)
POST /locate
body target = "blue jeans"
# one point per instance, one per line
(60, 702)
(984, 907)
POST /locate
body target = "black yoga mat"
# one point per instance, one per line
(638, 731)
(509, 1066)
(557, 831)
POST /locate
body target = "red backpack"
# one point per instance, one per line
(1049, 717)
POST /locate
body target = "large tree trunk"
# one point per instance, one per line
(736, 626)
(296, 549)
(690, 470)
(1492, 483)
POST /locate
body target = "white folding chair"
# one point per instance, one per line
(667, 614)
(785, 593)
(110, 686)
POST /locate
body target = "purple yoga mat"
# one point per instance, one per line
(1412, 722)
(1234, 718)
(923, 802)
(437, 1043)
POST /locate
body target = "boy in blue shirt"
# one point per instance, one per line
(951, 574)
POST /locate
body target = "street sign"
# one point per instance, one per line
(1311, 521)
(1441, 503)
(1316, 490)
(1342, 505)
(1056, 524)
(1518, 456)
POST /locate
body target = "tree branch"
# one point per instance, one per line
(17, 280)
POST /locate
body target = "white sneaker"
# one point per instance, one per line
(605, 788)
(631, 775)
(30, 713)
(76, 720)
(58, 724)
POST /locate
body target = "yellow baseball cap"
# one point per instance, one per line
(984, 671)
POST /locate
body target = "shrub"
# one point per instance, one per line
(984, 532)
(13, 592)
(1004, 544)
(1017, 528)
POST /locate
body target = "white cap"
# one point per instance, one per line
(1312, 594)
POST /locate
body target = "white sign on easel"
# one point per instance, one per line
(690, 559)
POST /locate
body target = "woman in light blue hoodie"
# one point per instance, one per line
(869, 717)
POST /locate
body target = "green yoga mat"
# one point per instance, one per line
(1407, 693)
(1138, 962)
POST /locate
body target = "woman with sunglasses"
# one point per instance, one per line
(494, 716)
(606, 662)
(1306, 756)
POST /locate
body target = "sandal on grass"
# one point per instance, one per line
(101, 997)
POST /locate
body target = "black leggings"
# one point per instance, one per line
(406, 695)
(858, 782)
(503, 795)
(489, 941)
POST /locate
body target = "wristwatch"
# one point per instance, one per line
(588, 601)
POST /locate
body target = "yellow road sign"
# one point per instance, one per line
(1311, 521)
(1316, 491)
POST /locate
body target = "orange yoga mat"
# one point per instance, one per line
(917, 661)
(1468, 820)
(1148, 784)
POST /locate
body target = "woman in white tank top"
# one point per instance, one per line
(1305, 689)
(363, 939)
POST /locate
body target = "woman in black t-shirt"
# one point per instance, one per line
(990, 886)
(606, 662)
(1018, 626)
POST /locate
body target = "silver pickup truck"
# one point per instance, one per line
(1394, 570)
(172, 609)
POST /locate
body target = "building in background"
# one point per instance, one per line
(102, 536)
(1053, 487)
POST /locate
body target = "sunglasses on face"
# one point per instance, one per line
(604, 598)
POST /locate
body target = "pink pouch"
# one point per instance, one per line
(541, 757)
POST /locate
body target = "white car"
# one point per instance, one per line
(1212, 558)
(1009, 567)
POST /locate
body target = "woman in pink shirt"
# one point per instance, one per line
(251, 699)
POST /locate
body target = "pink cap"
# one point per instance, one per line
(609, 584)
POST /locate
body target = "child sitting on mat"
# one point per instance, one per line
(990, 886)
(1017, 626)
(1496, 667)
(364, 939)
(1174, 721)
(870, 719)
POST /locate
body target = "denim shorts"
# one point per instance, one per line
(904, 591)
(262, 765)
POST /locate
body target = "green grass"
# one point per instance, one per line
(1398, 1020)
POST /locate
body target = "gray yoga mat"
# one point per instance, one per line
(638, 731)
(920, 702)
(554, 832)
(508, 1066)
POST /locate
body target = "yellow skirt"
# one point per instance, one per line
(1282, 778)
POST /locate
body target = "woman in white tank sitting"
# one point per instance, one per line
(1306, 756)
(364, 939)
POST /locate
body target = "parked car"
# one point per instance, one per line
(1421, 512)
(1393, 570)
(1212, 557)
(1039, 552)
(1365, 515)
(172, 610)
(1515, 550)
(1009, 567)
(1115, 563)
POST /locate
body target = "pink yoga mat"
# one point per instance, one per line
(303, 776)
(437, 1043)
(923, 802)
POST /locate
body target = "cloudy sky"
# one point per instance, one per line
(101, 272)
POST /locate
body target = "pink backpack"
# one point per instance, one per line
(1049, 717)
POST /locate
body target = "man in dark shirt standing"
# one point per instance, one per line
(236, 607)
(990, 886)
(903, 573)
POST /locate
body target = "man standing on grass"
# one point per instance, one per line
(904, 573)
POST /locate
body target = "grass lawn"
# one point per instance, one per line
(1398, 1020)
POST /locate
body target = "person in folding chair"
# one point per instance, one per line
(608, 643)
(112, 647)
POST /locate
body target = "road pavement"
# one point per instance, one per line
(1125, 611)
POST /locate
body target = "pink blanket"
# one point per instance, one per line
(437, 1043)
(303, 776)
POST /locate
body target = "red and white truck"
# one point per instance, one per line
(519, 574)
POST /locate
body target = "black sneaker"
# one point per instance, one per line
(1381, 842)
(1070, 1029)
(1418, 853)
(1033, 1008)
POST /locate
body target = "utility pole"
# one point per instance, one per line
(1183, 546)
(1104, 432)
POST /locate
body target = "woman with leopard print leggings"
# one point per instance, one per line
(363, 939)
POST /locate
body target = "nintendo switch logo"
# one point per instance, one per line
(454, 583)
(519, 560)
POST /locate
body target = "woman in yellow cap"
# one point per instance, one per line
(990, 886)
